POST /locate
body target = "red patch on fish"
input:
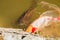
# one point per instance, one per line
(33, 29)
(58, 18)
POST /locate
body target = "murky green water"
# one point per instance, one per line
(11, 10)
